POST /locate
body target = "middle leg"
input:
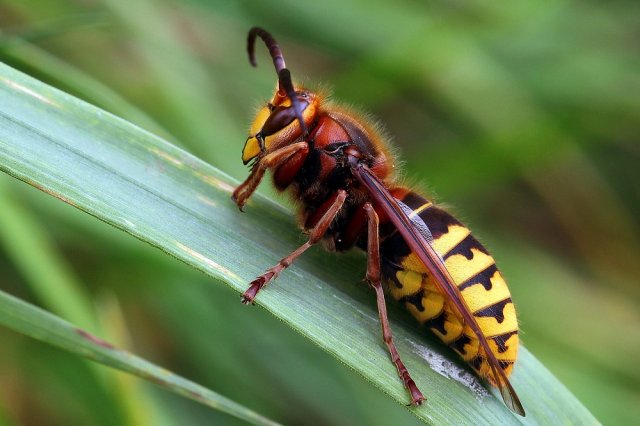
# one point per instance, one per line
(315, 235)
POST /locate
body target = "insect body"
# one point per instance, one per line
(337, 167)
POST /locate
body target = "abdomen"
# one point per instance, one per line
(474, 272)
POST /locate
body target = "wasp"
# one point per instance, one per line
(336, 165)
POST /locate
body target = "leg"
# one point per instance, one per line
(246, 188)
(374, 279)
(315, 235)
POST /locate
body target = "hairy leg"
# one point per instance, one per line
(315, 235)
(246, 188)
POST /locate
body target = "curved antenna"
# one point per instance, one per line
(285, 85)
(272, 45)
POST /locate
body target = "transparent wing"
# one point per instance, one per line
(418, 237)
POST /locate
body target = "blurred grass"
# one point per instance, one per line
(523, 116)
(30, 249)
(26, 319)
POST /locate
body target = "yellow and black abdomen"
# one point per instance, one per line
(474, 272)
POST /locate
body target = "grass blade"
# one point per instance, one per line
(34, 322)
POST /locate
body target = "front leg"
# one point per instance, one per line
(273, 159)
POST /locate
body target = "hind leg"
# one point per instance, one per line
(374, 279)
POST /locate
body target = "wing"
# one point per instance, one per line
(419, 244)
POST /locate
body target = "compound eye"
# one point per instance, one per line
(281, 117)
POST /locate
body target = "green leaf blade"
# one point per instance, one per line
(31, 321)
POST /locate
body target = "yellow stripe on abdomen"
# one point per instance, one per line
(455, 235)
(462, 269)
(481, 284)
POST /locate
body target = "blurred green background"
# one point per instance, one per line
(524, 118)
